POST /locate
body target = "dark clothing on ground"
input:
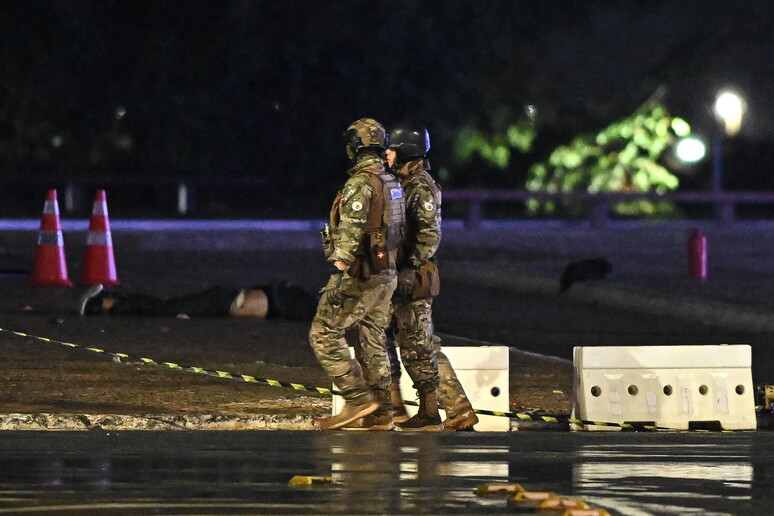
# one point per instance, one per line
(213, 302)
(286, 300)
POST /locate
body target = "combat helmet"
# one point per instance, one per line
(409, 142)
(365, 133)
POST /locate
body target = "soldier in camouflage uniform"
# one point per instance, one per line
(418, 281)
(361, 242)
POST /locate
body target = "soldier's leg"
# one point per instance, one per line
(417, 352)
(415, 339)
(451, 394)
(371, 349)
(452, 397)
(326, 337)
(399, 413)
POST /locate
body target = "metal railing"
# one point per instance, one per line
(181, 196)
(171, 195)
(599, 212)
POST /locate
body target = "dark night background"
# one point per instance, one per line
(238, 90)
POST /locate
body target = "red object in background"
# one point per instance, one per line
(697, 255)
(98, 262)
(50, 267)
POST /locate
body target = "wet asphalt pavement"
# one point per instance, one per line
(380, 473)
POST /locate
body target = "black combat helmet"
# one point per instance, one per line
(410, 142)
(365, 133)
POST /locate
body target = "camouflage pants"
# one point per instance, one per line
(364, 307)
(418, 348)
(451, 395)
(421, 354)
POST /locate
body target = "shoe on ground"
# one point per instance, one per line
(461, 423)
(421, 423)
(348, 414)
(371, 422)
(85, 307)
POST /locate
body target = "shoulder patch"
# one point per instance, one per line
(428, 206)
(356, 206)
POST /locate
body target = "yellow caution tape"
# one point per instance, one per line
(328, 392)
(180, 367)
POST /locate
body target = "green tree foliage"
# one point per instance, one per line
(495, 148)
(623, 157)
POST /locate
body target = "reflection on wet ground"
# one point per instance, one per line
(380, 473)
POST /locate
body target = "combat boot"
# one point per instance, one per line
(353, 409)
(379, 420)
(399, 414)
(463, 422)
(427, 418)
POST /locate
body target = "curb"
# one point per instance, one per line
(118, 422)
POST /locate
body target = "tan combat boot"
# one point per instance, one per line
(379, 420)
(463, 422)
(354, 409)
(427, 418)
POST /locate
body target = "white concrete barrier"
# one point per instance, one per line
(665, 386)
(483, 373)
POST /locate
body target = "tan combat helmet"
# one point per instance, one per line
(365, 133)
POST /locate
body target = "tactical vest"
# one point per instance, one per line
(383, 232)
(384, 225)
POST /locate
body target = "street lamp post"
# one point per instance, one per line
(717, 163)
(729, 109)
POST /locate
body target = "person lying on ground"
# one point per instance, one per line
(278, 299)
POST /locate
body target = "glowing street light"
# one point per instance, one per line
(690, 150)
(729, 110)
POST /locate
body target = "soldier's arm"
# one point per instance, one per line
(426, 211)
(353, 211)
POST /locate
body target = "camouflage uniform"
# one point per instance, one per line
(420, 348)
(352, 301)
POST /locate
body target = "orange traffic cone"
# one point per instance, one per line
(98, 263)
(50, 264)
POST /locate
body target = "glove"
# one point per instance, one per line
(405, 286)
(335, 288)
